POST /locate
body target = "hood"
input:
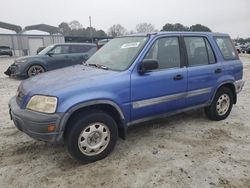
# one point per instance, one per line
(20, 59)
(70, 78)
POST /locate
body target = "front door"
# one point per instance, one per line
(59, 57)
(162, 90)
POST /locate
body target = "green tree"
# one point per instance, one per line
(75, 28)
(199, 27)
(174, 27)
(100, 33)
(247, 40)
(75, 25)
(65, 29)
(117, 30)
(145, 28)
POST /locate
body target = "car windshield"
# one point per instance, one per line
(46, 50)
(118, 53)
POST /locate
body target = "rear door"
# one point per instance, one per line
(80, 53)
(162, 90)
(203, 70)
(230, 59)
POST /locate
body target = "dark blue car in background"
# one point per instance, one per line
(53, 57)
(130, 80)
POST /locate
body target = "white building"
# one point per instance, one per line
(26, 41)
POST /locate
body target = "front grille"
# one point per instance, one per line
(13, 69)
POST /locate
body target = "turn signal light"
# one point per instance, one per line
(51, 128)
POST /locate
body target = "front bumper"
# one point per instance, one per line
(239, 85)
(15, 70)
(35, 124)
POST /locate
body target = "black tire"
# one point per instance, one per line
(79, 125)
(35, 70)
(212, 112)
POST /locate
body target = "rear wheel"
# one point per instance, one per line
(221, 105)
(91, 136)
(35, 70)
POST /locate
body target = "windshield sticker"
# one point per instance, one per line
(131, 45)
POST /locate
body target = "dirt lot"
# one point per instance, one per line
(185, 150)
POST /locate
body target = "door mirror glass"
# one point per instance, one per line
(50, 53)
(148, 65)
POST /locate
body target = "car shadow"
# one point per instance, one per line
(173, 120)
(57, 153)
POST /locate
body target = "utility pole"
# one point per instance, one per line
(90, 29)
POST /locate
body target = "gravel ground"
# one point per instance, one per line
(185, 150)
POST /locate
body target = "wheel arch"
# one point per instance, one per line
(229, 85)
(104, 105)
(40, 63)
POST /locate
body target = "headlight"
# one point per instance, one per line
(42, 103)
(21, 61)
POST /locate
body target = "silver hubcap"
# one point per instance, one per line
(34, 70)
(223, 104)
(94, 139)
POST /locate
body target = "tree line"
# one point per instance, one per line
(242, 41)
(75, 28)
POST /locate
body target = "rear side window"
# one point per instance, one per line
(196, 51)
(80, 48)
(226, 47)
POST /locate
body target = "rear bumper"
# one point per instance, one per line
(239, 85)
(35, 124)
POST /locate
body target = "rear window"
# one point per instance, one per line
(226, 47)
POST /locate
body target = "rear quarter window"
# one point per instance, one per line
(226, 47)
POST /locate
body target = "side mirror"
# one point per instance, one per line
(50, 53)
(148, 65)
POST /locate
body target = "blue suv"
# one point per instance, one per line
(132, 79)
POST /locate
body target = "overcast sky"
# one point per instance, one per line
(229, 16)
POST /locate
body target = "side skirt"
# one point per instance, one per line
(161, 116)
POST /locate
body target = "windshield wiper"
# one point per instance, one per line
(97, 66)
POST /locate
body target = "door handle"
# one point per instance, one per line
(217, 71)
(178, 77)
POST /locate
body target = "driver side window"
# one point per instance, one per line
(60, 50)
(166, 51)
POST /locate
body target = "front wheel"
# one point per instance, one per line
(35, 70)
(91, 136)
(221, 105)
